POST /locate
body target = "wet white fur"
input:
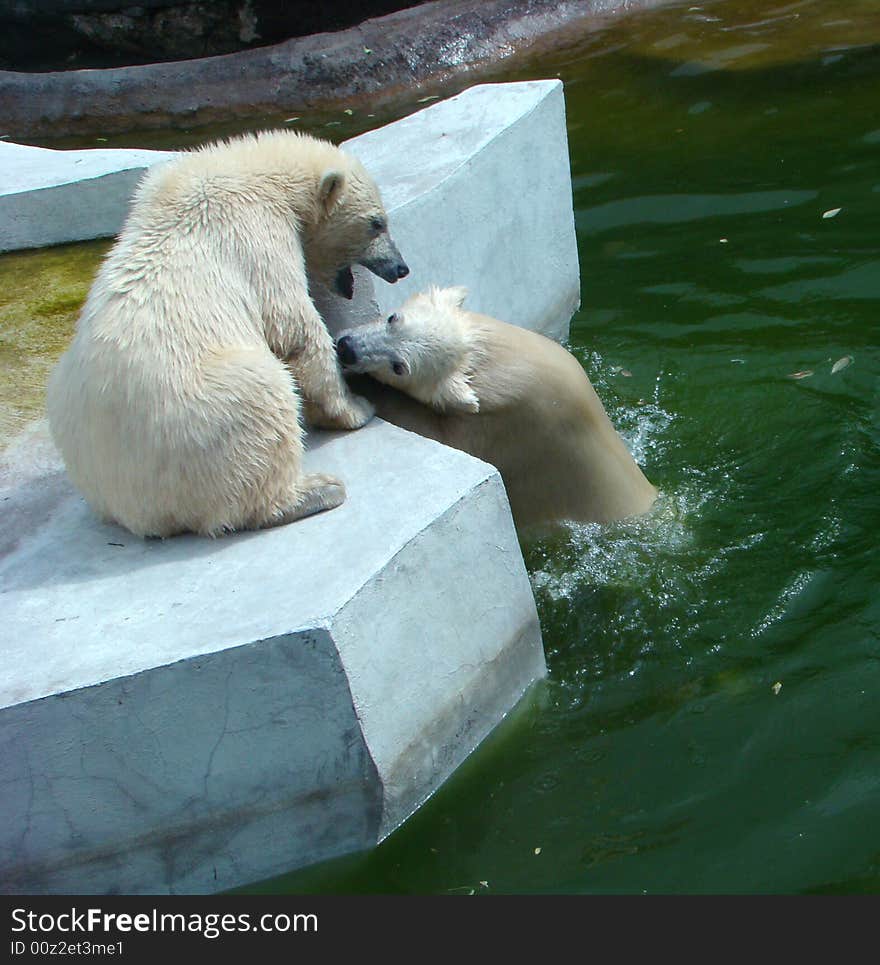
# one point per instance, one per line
(509, 396)
(177, 406)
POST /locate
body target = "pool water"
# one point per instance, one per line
(711, 720)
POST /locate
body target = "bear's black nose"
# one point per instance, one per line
(345, 350)
(402, 270)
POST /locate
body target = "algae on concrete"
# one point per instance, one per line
(41, 293)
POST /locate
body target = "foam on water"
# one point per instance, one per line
(641, 551)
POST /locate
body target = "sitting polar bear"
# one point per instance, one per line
(177, 405)
(511, 397)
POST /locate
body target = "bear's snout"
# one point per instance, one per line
(384, 259)
(345, 350)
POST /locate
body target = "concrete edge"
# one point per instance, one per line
(510, 659)
(287, 823)
(94, 210)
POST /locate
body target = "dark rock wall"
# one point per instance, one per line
(370, 62)
(45, 35)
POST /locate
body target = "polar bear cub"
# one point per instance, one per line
(509, 396)
(177, 406)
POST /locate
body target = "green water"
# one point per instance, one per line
(659, 756)
(662, 754)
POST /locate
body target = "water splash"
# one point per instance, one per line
(627, 552)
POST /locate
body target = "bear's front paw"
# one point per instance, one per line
(354, 412)
(358, 413)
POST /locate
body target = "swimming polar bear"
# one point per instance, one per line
(509, 396)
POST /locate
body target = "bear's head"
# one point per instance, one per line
(333, 204)
(426, 349)
(350, 227)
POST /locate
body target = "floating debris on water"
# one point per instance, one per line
(776, 687)
(841, 364)
(805, 374)
(831, 213)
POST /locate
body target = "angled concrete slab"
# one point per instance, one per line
(478, 190)
(191, 714)
(52, 197)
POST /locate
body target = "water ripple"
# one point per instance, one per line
(682, 208)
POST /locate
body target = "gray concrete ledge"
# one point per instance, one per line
(478, 189)
(52, 197)
(379, 59)
(191, 715)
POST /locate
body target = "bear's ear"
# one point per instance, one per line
(330, 189)
(451, 297)
(456, 395)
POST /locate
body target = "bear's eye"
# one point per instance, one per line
(393, 319)
(398, 368)
(378, 224)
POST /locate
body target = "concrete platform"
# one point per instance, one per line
(190, 715)
(52, 197)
